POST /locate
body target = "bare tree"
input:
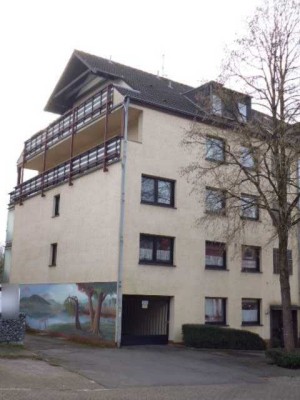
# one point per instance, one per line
(255, 165)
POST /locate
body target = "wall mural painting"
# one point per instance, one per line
(80, 309)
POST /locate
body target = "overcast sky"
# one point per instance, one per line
(38, 37)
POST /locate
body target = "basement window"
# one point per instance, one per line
(53, 254)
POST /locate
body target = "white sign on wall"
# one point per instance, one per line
(145, 304)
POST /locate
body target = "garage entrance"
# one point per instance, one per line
(145, 320)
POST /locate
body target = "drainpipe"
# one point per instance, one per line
(121, 226)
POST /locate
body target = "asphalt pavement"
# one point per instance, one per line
(57, 369)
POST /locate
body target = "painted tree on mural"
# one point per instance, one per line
(72, 307)
(88, 289)
(98, 292)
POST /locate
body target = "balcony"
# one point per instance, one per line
(97, 157)
(73, 120)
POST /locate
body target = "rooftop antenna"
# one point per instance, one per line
(163, 66)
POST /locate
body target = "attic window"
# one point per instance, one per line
(242, 112)
(216, 105)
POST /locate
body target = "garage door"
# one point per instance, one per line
(145, 320)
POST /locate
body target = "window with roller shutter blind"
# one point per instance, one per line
(215, 255)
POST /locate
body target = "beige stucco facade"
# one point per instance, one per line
(87, 233)
(188, 283)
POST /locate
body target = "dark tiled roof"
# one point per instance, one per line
(148, 88)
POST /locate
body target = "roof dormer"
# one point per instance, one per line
(216, 100)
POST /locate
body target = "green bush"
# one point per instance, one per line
(284, 359)
(215, 337)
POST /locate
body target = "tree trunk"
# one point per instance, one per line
(288, 334)
(91, 309)
(96, 323)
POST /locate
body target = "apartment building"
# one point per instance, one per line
(110, 209)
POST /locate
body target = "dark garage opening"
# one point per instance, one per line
(145, 320)
(277, 325)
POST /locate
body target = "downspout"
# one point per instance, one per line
(298, 229)
(121, 226)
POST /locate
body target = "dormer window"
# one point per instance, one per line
(242, 112)
(216, 105)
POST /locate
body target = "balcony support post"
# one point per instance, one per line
(44, 163)
(105, 169)
(72, 144)
(21, 176)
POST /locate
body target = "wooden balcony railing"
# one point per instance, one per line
(72, 120)
(88, 160)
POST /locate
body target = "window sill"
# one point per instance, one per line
(251, 324)
(159, 205)
(216, 213)
(55, 216)
(250, 219)
(216, 269)
(156, 264)
(223, 162)
(52, 265)
(245, 271)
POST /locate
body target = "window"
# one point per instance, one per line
(242, 112)
(157, 191)
(53, 254)
(215, 310)
(249, 207)
(215, 149)
(156, 249)
(215, 201)
(250, 259)
(216, 105)
(276, 269)
(250, 311)
(56, 204)
(215, 255)
(247, 159)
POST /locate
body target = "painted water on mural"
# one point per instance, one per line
(81, 309)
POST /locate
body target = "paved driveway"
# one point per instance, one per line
(156, 365)
(153, 372)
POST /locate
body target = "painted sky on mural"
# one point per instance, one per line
(57, 292)
(38, 37)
